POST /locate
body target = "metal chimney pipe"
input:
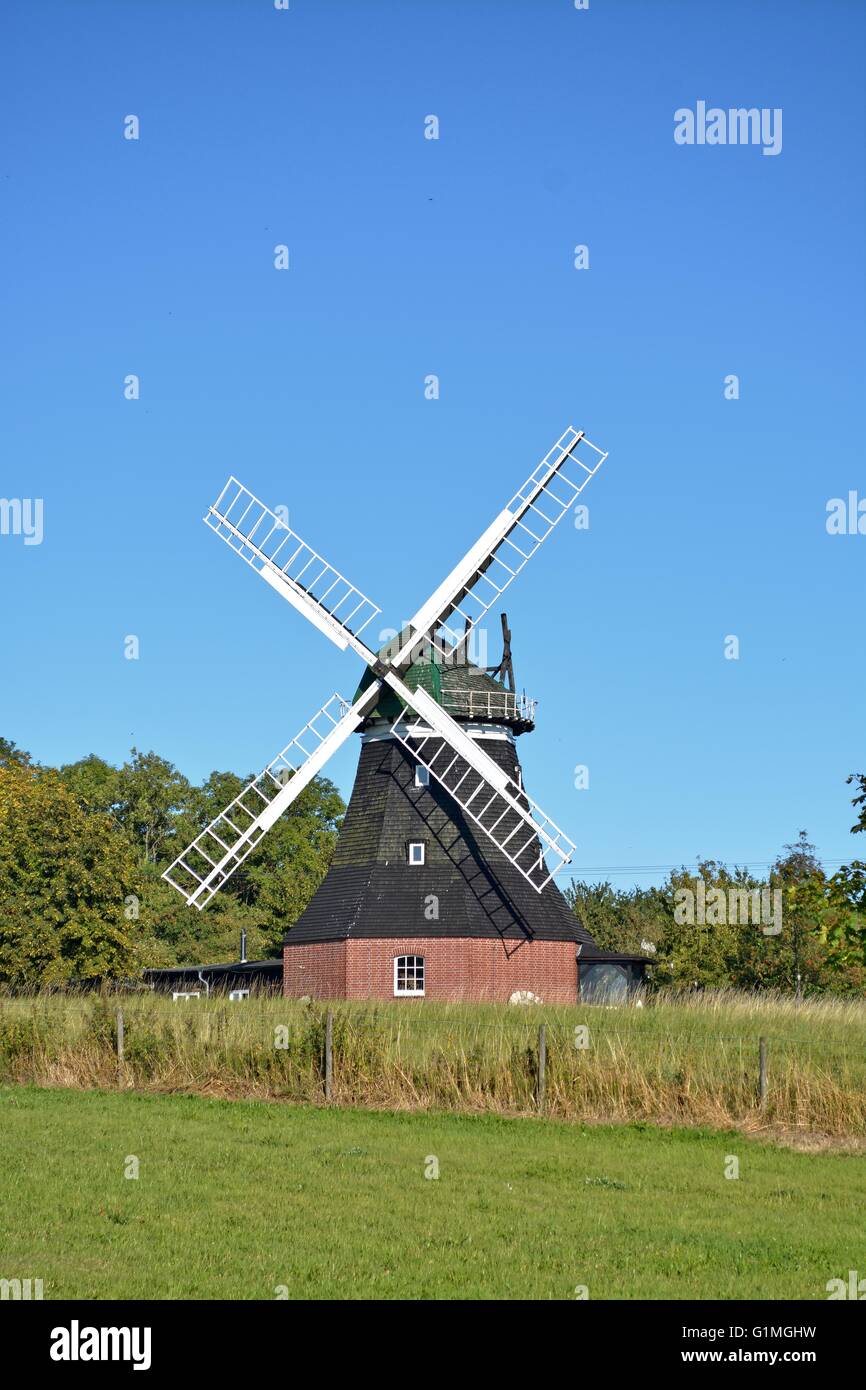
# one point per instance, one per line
(243, 945)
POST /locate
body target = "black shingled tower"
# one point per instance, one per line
(371, 890)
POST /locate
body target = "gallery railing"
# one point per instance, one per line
(489, 704)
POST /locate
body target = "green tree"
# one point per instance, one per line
(631, 920)
(66, 878)
(702, 952)
(798, 873)
(10, 754)
(859, 780)
(174, 934)
(845, 919)
(94, 782)
(199, 807)
(151, 794)
(844, 926)
(269, 890)
(287, 868)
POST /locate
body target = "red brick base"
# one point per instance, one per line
(455, 968)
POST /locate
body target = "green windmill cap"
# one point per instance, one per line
(439, 678)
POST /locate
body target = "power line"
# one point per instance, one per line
(661, 868)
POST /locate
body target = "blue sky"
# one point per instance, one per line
(453, 256)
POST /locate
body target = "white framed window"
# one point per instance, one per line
(422, 776)
(416, 852)
(408, 974)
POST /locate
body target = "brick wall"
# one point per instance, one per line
(319, 970)
(455, 967)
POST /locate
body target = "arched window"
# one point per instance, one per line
(408, 974)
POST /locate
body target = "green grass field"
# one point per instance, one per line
(237, 1198)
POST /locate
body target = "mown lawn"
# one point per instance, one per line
(235, 1199)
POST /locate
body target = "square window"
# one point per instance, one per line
(416, 852)
(408, 974)
(422, 776)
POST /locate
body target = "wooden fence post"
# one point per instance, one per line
(542, 1064)
(120, 1032)
(329, 1054)
(763, 1087)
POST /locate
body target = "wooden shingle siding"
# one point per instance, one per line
(465, 889)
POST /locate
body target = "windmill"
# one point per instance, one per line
(482, 794)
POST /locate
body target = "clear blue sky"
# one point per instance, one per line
(455, 257)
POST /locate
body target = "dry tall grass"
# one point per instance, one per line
(690, 1060)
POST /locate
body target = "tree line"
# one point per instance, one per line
(798, 928)
(83, 847)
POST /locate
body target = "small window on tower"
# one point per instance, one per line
(408, 974)
(422, 776)
(416, 852)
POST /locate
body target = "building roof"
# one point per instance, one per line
(464, 691)
(241, 971)
(466, 887)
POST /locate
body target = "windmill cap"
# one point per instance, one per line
(464, 691)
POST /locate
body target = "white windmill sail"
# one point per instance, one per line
(516, 824)
(496, 559)
(290, 566)
(223, 845)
